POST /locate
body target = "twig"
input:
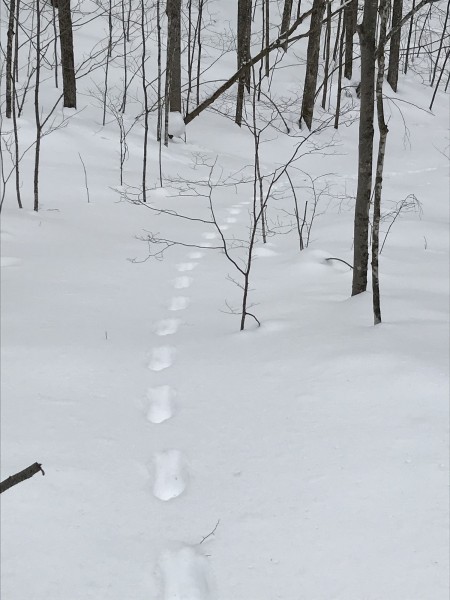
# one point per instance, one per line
(21, 476)
(211, 532)
(85, 178)
(340, 260)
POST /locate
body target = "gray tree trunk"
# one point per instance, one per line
(67, 58)
(9, 60)
(286, 19)
(383, 129)
(244, 30)
(350, 19)
(365, 151)
(174, 54)
(312, 64)
(394, 50)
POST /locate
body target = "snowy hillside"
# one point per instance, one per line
(304, 458)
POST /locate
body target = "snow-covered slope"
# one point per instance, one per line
(303, 459)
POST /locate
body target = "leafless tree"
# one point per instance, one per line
(67, 55)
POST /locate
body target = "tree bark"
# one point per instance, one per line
(174, 54)
(350, 20)
(9, 60)
(394, 50)
(244, 25)
(312, 65)
(383, 129)
(37, 115)
(286, 19)
(365, 150)
(67, 58)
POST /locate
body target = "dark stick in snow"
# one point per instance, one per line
(21, 476)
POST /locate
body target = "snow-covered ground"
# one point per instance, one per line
(303, 459)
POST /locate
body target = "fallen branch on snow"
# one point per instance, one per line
(21, 476)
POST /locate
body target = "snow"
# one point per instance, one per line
(318, 441)
(177, 127)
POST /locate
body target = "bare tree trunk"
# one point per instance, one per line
(339, 86)
(16, 45)
(159, 103)
(9, 59)
(108, 57)
(394, 50)
(286, 20)
(37, 151)
(67, 58)
(199, 47)
(174, 54)
(327, 57)
(444, 34)
(439, 79)
(144, 89)
(244, 25)
(16, 147)
(365, 150)
(266, 35)
(125, 58)
(384, 18)
(55, 44)
(190, 53)
(350, 19)
(408, 45)
(312, 64)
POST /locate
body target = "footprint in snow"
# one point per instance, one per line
(161, 405)
(162, 358)
(185, 575)
(209, 235)
(171, 476)
(231, 219)
(195, 255)
(178, 303)
(167, 327)
(182, 282)
(10, 261)
(234, 211)
(187, 266)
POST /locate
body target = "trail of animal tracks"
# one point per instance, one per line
(316, 441)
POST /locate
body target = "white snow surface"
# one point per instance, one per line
(317, 442)
(177, 127)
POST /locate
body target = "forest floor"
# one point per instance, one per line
(303, 459)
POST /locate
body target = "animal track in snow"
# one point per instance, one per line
(178, 303)
(185, 575)
(171, 475)
(10, 261)
(161, 403)
(224, 227)
(209, 235)
(182, 282)
(234, 211)
(231, 219)
(196, 255)
(162, 358)
(167, 326)
(186, 266)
